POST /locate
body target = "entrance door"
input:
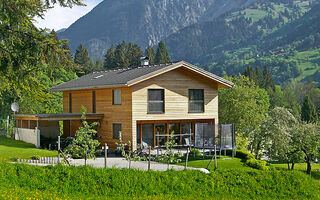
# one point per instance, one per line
(204, 135)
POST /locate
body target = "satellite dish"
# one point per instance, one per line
(14, 107)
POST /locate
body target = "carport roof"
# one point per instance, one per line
(57, 117)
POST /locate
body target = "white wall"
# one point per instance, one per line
(31, 136)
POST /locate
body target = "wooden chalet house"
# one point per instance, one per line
(143, 103)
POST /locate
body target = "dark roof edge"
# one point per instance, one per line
(53, 89)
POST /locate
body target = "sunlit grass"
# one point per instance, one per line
(10, 150)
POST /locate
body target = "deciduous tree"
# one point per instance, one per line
(244, 105)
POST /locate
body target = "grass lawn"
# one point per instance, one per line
(225, 162)
(63, 182)
(11, 149)
(298, 166)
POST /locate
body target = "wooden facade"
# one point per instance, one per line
(112, 113)
(134, 106)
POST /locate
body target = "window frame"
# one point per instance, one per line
(94, 100)
(113, 131)
(163, 102)
(190, 101)
(70, 102)
(113, 103)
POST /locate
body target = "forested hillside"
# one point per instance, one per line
(144, 22)
(279, 34)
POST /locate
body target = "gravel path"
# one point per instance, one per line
(114, 162)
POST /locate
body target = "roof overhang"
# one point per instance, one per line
(222, 83)
(53, 89)
(58, 117)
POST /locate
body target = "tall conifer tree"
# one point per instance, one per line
(308, 110)
(82, 59)
(162, 55)
(109, 58)
(151, 54)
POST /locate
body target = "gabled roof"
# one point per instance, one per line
(131, 76)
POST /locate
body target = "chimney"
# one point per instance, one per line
(144, 61)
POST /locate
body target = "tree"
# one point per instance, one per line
(29, 54)
(123, 55)
(274, 137)
(84, 146)
(268, 82)
(277, 98)
(25, 50)
(162, 55)
(244, 105)
(109, 58)
(307, 138)
(151, 54)
(250, 73)
(82, 59)
(308, 110)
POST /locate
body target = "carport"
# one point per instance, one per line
(35, 128)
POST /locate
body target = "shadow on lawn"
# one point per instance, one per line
(8, 142)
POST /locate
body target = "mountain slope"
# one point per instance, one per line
(279, 34)
(233, 30)
(141, 21)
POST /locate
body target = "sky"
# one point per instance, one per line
(58, 17)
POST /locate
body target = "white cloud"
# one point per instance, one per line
(59, 17)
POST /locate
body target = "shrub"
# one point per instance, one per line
(35, 157)
(244, 155)
(195, 152)
(257, 164)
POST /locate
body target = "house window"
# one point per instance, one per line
(116, 97)
(155, 100)
(116, 131)
(93, 101)
(196, 101)
(70, 102)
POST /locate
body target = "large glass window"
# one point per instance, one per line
(116, 131)
(196, 100)
(161, 134)
(175, 129)
(186, 131)
(116, 97)
(155, 101)
(147, 135)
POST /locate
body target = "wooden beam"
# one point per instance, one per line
(167, 130)
(174, 121)
(180, 134)
(154, 135)
(141, 135)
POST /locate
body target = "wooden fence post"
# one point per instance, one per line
(85, 159)
(149, 160)
(58, 149)
(215, 157)
(105, 154)
(187, 157)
